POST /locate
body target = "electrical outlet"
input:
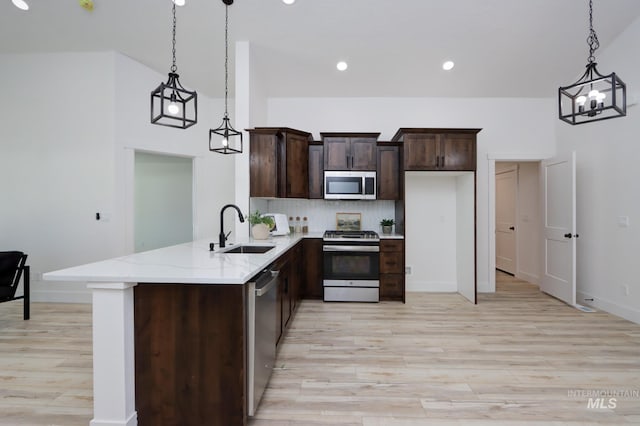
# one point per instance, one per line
(407, 270)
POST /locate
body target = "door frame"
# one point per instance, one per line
(128, 185)
(492, 157)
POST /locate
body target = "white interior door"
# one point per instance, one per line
(559, 223)
(506, 194)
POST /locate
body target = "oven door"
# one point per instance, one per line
(350, 262)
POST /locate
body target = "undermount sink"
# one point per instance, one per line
(246, 249)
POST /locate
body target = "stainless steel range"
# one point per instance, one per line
(351, 266)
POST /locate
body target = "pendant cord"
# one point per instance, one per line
(174, 68)
(592, 40)
(226, 59)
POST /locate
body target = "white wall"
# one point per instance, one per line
(71, 122)
(431, 239)
(607, 181)
(520, 128)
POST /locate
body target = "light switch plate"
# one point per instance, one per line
(623, 221)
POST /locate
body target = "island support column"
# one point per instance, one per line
(113, 355)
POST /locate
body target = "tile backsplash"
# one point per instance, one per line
(321, 214)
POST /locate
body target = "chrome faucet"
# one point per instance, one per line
(222, 237)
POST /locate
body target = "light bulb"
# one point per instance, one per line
(225, 142)
(448, 65)
(600, 97)
(179, 2)
(20, 4)
(288, 1)
(581, 100)
(593, 94)
(342, 66)
(173, 108)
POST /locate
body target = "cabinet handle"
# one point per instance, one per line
(437, 161)
(442, 161)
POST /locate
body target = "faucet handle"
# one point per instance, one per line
(226, 237)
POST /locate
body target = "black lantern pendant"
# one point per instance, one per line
(171, 104)
(594, 96)
(225, 139)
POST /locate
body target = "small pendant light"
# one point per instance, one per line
(171, 104)
(225, 139)
(594, 96)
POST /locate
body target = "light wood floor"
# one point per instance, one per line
(518, 357)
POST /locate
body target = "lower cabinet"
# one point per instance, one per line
(392, 269)
(290, 277)
(312, 252)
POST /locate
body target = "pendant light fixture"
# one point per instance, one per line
(594, 96)
(225, 139)
(171, 104)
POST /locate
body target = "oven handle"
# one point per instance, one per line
(351, 248)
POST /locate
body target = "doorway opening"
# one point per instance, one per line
(517, 219)
(163, 200)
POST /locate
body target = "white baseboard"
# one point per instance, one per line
(526, 276)
(613, 308)
(60, 292)
(432, 286)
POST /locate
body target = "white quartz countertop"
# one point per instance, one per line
(188, 263)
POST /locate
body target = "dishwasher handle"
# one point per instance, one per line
(272, 280)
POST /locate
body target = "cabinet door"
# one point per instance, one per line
(363, 154)
(297, 167)
(312, 254)
(316, 172)
(391, 286)
(458, 152)
(389, 173)
(263, 166)
(421, 152)
(391, 263)
(336, 153)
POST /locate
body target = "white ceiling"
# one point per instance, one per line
(502, 48)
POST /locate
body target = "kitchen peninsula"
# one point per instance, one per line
(170, 332)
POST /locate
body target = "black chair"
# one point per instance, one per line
(12, 265)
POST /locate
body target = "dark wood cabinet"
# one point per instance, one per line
(312, 254)
(278, 162)
(316, 171)
(438, 149)
(389, 172)
(392, 269)
(350, 151)
(190, 354)
(290, 275)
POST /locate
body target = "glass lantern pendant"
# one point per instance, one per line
(171, 104)
(594, 96)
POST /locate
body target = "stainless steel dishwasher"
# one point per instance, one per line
(262, 307)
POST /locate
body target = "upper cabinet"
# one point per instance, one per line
(279, 162)
(350, 151)
(316, 171)
(389, 176)
(438, 149)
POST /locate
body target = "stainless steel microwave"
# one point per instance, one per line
(343, 185)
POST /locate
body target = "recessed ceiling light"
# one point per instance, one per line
(448, 65)
(288, 1)
(179, 2)
(342, 65)
(20, 4)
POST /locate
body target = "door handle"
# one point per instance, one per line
(513, 228)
